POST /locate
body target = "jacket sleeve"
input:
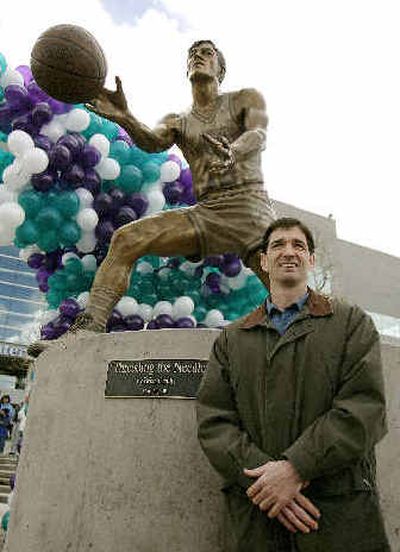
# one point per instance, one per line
(226, 444)
(357, 419)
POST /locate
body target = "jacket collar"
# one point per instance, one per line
(317, 305)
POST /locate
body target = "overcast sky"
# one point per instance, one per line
(329, 71)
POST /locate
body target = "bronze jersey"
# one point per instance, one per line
(199, 153)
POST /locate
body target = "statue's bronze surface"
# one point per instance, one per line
(222, 137)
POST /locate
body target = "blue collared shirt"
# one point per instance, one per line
(282, 319)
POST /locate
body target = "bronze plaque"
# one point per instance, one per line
(154, 378)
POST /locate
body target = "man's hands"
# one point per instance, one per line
(222, 147)
(110, 104)
(277, 492)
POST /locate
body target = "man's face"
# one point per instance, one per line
(287, 259)
(203, 62)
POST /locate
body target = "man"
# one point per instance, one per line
(289, 411)
(222, 137)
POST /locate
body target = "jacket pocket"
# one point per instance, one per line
(360, 477)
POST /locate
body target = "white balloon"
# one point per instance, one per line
(53, 130)
(156, 201)
(144, 267)
(77, 120)
(89, 263)
(183, 306)
(19, 142)
(100, 142)
(85, 197)
(35, 161)
(15, 177)
(11, 76)
(214, 318)
(239, 281)
(11, 214)
(87, 219)
(169, 171)
(87, 242)
(127, 306)
(7, 234)
(67, 256)
(108, 168)
(6, 195)
(162, 307)
(83, 299)
(145, 311)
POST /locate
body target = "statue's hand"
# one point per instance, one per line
(110, 104)
(223, 148)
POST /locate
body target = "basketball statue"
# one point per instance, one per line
(222, 137)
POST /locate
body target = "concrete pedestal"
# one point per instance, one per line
(120, 475)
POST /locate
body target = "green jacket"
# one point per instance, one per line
(314, 396)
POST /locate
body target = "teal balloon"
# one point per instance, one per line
(130, 179)
(199, 313)
(195, 296)
(6, 157)
(119, 150)
(159, 157)
(67, 203)
(94, 127)
(31, 202)
(151, 171)
(73, 266)
(138, 157)
(6, 517)
(54, 298)
(48, 240)
(149, 299)
(51, 198)
(110, 130)
(27, 233)
(48, 217)
(72, 281)
(70, 233)
(3, 63)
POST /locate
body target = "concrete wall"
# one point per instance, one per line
(369, 278)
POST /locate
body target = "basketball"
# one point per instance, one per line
(68, 63)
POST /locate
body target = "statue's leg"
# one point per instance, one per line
(165, 234)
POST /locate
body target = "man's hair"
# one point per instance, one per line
(288, 222)
(221, 59)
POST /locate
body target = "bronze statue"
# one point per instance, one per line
(222, 137)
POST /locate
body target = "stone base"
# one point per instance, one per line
(102, 475)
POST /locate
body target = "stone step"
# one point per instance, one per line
(5, 489)
(3, 498)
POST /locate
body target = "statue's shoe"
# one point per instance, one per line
(84, 323)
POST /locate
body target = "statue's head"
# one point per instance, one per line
(205, 61)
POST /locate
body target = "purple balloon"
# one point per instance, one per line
(5, 117)
(42, 182)
(43, 287)
(104, 231)
(185, 322)
(71, 142)
(165, 321)
(134, 322)
(17, 96)
(123, 135)
(214, 260)
(74, 175)
(103, 204)
(60, 157)
(43, 142)
(89, 156)
(48, 331)
(153, 325)
(70, 308)
(232, 268)
(42, 274)
(35, 260)
(213, 279)
(125, 216)
(41, 114)
(92, 181)
(59, 107)
(36, 94)
(24, 122)
(186, 178)
(118, 198)
(138, 202)
(115, 322)
(173, 192)
(53, 260)
(26, 72)
(61, 325)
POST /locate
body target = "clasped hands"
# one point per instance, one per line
(277, 491)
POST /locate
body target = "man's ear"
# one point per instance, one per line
(312, 260)
(264, 261)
